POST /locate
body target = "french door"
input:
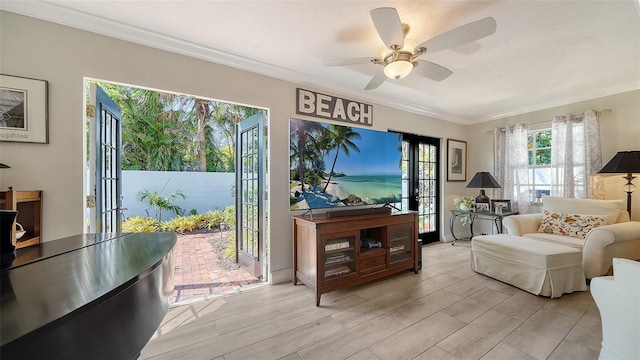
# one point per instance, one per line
(250, 223)
(108, 186)
(420, 183)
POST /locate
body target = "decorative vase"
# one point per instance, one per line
(19, 231)
(7, 222)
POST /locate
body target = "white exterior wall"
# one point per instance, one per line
(204, 190)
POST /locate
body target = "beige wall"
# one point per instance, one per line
(619, 131)
(65, 56)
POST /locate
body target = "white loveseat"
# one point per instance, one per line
(600, 228)
(618, 300)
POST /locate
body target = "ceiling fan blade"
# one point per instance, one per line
(432, 71)
(345, 62)
(461, 35)
(389, 26)
(376, 81)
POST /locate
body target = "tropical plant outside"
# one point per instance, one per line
(539, 145)
(140, 224)
(183, 224)
(172, 132)
(161, 203)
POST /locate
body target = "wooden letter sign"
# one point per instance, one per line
(314, 104)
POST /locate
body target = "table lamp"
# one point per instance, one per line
(483, 180)
(624, 162)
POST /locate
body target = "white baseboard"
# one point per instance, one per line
(281, 276)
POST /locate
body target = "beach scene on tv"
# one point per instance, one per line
(337, 166)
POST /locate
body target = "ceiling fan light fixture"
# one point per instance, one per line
(398, 69)
(409, 46)
(408, 49)
(385, 52)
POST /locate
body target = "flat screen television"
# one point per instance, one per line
(339, 166)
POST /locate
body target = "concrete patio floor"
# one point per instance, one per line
(200, 272)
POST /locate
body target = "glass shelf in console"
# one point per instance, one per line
(339, 257)
(399, 243)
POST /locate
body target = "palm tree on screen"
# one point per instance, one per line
(342, 136)
(304, 132)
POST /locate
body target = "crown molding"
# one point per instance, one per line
(63, 15)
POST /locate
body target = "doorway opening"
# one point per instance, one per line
(420, 183)
(162, 161)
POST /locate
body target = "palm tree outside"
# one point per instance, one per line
(174, 132)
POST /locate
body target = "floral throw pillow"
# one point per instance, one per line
(574, 225)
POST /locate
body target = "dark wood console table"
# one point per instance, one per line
(339, 252)
(91, 296)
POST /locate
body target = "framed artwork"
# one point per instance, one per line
(500, 205)
(482, 207)
(456, 160)
(23, 110)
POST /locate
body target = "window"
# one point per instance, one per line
(539, 155)
(547, 178)
(556, 161)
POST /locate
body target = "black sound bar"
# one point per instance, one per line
(352, 212)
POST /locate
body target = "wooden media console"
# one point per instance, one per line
(332, 253)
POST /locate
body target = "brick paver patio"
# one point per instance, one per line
(200, 274)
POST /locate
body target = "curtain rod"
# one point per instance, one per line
(598, 112)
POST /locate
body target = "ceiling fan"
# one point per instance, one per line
(400, 55)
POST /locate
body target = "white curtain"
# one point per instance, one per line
(575, 153)
(511, 165)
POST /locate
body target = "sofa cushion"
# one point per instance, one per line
(609, 209)
(574, 225)
(623, 217)
(539, 267)
(557, 239)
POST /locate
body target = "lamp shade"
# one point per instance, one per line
(483, 179)
(624, 162)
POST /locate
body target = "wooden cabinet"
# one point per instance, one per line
(339, 252)
(29, 207)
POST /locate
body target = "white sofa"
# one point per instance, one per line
(618, 300)
(613, 236)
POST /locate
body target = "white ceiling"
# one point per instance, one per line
(543, 54)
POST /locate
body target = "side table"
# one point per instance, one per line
(473, 215)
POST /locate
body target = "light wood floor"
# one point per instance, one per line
(445, 312)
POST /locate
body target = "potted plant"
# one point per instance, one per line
(464, 203)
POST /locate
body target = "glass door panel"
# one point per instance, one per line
(420, 183)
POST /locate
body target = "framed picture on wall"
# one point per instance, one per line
(456, 160)
(23, 110)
